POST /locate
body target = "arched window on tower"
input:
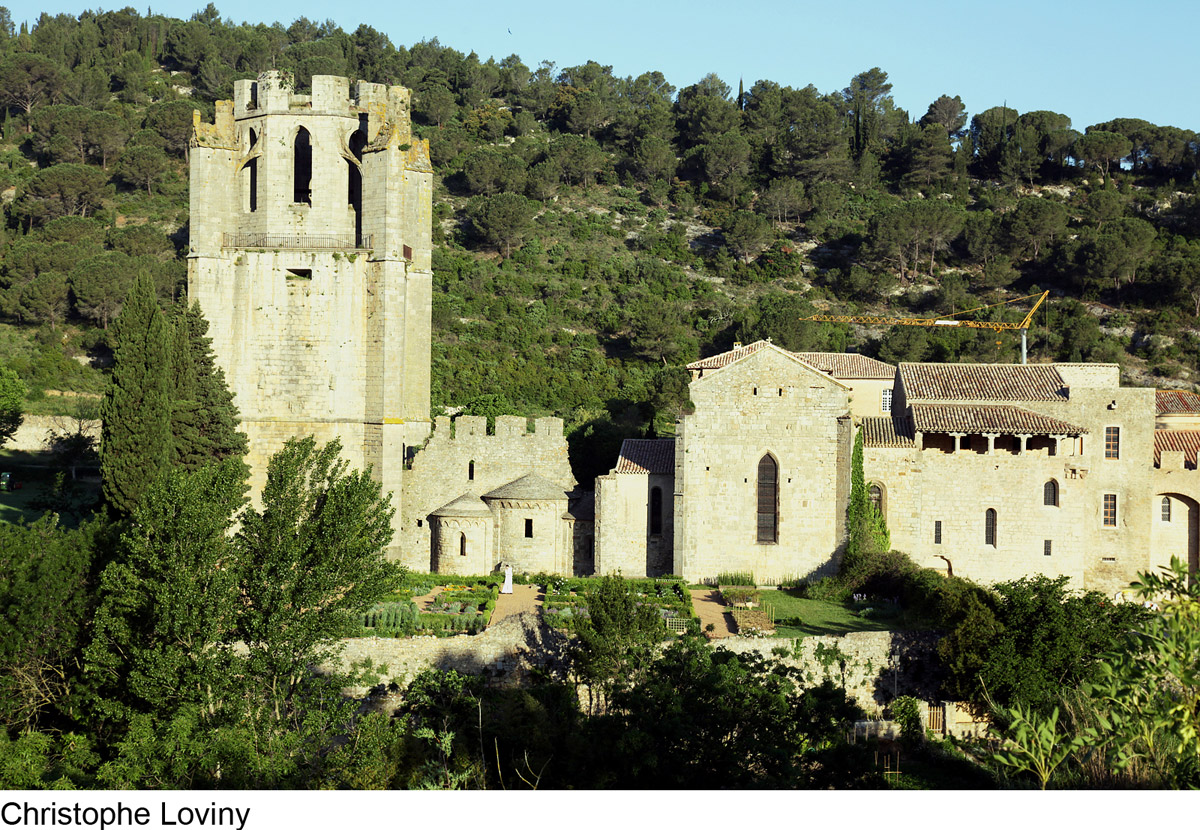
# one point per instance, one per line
(302, 168)
(251, 174)
(462, 544)
(989, 527)
(1050, 493)
(358, 140)
(655, 511)
(471, 471)
(768, 499)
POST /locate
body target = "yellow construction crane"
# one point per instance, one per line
(944, 321)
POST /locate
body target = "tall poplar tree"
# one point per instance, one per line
(135, 442)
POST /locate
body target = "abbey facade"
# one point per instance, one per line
(310, 255)
(990, 472)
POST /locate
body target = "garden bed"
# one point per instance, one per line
(566, 601)
(463, 606)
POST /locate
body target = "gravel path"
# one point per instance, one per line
(710, 610)
(523, 598)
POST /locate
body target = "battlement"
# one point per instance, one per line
(273, 93)
(507, 426)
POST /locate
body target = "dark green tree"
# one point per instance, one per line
(12, 403)
(45, 604)
(616, 641)
(135, 443)
(204, 419)
(501, 220)
(163, 631)
(311, 560)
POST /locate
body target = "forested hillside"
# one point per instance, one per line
(594, 233)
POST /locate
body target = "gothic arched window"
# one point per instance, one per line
(302, 168)
(768, 499)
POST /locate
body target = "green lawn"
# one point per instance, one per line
(817, 617)
(17, 505)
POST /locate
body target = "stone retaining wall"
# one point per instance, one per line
(35, 429)
(878, 664)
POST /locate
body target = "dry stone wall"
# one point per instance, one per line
(878, 664)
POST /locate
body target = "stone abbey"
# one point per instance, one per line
(310, 255)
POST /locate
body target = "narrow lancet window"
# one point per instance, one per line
(302, 168)
(768, 500)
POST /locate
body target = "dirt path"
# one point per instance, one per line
(523, 598)
(423, 603)
(710, 610)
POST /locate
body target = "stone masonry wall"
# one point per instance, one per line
(923, 487)
(624, 543)
(471, 461)
(878, 664)
(766, 403)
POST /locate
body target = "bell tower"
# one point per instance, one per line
(309, 254)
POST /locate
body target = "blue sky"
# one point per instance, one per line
(1092, 60)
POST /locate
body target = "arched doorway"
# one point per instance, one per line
(1174, 531)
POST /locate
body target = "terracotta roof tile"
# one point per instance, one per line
(1176, 402)
(981, 382)
(1186, 441)
(885, 431)
(837, 364)
(986, 418)
(848, 366)
(647, 455)
(718, 361)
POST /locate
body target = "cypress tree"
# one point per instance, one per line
(135, 443)
(867, 531)
(204, 417)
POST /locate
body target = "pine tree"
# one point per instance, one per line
(204, 417)
(135, 443)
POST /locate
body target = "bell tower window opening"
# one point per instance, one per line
(768, 500)
(302, 168)
(655, 511)
(251, 174)
(358, 140)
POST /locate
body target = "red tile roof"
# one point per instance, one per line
(646, 456)
(1186, 441)
(848, 366)
(885, 431)
(1177, 402)
(987, 418)
(723, 359)
(981, 382)
(837, 364)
